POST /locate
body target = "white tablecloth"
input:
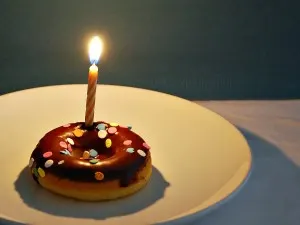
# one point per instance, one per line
(272, 194)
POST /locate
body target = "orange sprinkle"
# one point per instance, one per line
(99, 176)
(78, 132)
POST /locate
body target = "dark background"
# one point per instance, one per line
(196, 49)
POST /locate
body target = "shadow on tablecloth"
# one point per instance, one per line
(272, 190)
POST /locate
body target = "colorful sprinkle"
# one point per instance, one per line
(61, 162)
(146, 145)
(78, 132)
(35, 172)
(93, 153)
(114, 124)
(141, 153)
(127, 142)
(70, 140)
(86, 155)
(48, 163)
(94, 161)
(129, 127)
(112, 130)
(102, 134)
(65, 152)
(99, 176)
(67, 125)
(130, 150)
(41, 172)
(101, 126)
(31, 160)
(108, 143)
(47, 154)
(63, 144)
(70, 148)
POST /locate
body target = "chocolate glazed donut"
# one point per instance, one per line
(104, 162)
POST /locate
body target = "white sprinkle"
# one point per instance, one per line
(70, 141)
(141, 153)
(31, 162)
(48, 163)
(61, 162)
(102, 134)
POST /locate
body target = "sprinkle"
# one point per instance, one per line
(141, 153)
(127, 142)
(47, 154)
(99, 176)
(48, 163)
(129, 127)
(93, 153)
(70, 148)
(116, 132)
(31, 160)
(78, 132)
(108, 143)
(112, 130)
(94, 161)
(41, 172)
(67, 125)
(65, 152)
(130, 150)
(35, 172)
(70, 140)
(114, 124)
(101, 126)
(61, 162)
(63, 144)
(102, 134)
(86, 155)
(146, 145)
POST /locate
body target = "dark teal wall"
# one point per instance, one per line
(201, 49)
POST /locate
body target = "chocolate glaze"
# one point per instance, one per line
(115, 162)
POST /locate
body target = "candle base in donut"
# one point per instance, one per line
(104, 162)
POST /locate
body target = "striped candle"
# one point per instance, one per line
(91, 95)
(95, 51)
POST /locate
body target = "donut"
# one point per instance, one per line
(103, 162)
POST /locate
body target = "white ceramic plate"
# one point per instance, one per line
(199, 158)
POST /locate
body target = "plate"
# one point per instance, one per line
(199, 158)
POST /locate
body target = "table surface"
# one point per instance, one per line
(271, 195)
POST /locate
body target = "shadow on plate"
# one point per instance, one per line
(5, 221)
(38, 198)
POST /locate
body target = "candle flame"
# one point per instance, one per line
(95, 49)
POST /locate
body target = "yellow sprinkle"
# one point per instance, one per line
(86, 155)
(114, 124)
(108, 143)
(78, 132)
(99, 176)
(41, 172)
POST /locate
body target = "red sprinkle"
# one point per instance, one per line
(63, 144)
(47, 154)
(127, 142)
(146, 145)
(70, 148)
(112, 130)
